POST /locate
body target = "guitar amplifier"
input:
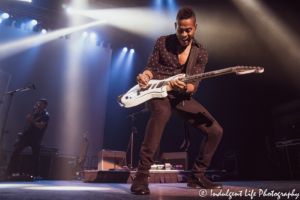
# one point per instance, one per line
(175, 158)
(111, 159)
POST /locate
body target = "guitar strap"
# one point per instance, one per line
(189, 72)
(192, 61)
(39, 117)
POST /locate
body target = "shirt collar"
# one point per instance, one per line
(195, 43)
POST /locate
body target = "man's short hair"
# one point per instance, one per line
(44, 101)
(185, 13)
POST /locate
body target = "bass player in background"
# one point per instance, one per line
(32, 136)
(171, 56)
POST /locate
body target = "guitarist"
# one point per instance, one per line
(172, 55)
(32, 136)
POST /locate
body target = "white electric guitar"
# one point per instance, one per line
(159, 88)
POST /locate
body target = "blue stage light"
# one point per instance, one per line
(5, 15)
(34, 22)
(93, 36)
(131, 50)
(44, 31)
(85, 34)
(125, 49)
(0, 21)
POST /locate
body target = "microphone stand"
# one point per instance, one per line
(134, 130)
(11, 93)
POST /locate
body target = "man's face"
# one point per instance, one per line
(42, 106)
(185, 30)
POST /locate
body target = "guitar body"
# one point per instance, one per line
(155, 89)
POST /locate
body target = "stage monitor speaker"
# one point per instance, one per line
(111, 159)
(175, 158)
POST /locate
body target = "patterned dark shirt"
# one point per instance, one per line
(163, 61)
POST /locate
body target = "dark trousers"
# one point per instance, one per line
(191, 112)
(24, 142)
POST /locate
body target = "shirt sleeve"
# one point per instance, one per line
(199, 67)
(153, 60)
(46, 119)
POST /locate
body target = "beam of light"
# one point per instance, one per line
(125, 49)
(128, 66)
(34, 22)
(158, 4)
(65, 188)
(29, 1)
(85, 34)
(75, 93)
(0, 21)
(70, 10)
(16, 185)
(11, 48)
(147, 24)
(5, 15)
(279, 38)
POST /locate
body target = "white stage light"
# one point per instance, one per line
(93, 36)
(34, 22)
(70, 10)
(125, 49)
(131, 50)
(85, 34)
(5, 15)
(44, 31)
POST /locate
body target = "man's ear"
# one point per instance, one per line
(196, 26)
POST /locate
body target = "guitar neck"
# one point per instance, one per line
(32, 112)
(82, 147)
(207, 75)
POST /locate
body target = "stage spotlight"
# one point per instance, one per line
(85, 34)
(125, 49)
(131, 50)
(5, 15)
(44, 31)
(34, 22)
(93, 36)
(0, 21)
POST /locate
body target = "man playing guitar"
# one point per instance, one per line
(172, 55)
(32, 136)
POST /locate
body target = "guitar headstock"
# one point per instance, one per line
(240, 70)
(36, 105)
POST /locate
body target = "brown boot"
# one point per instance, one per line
(203, 182)
(140, 184)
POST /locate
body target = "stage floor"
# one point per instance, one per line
(78, 190)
